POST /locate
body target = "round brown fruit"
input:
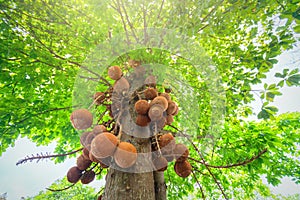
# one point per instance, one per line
(104, 145)
(171, 107)
(183, 169)
(93, 158)
(115, 72)
(81, 119)
(176, 111)
(88, 177)
(121, 85)
(160, 101)
(99, 129)
(83, 163)
(98, 97)
(169, 119)
(150, 81)
(150, 93)
(156, 112)
(167, 142)
(125, 155)
(181, 152)
(160, 163)
(141, 107)
(89, 140)
(86, 153)
(74, 174)
(83, 138)
(166, 95)
(142, 120)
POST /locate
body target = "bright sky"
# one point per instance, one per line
(30, 178)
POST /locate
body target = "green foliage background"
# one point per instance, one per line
(44, 43)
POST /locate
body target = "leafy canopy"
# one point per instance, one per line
(42, 50)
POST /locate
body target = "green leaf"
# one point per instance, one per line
(279, 75)
(297, 28)
(281, 83)
(263, 114)
(294, 80)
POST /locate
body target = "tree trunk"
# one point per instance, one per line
(160, 186)
(138, 182)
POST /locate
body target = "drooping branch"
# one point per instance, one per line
(208, 169)
(245, 162)
(41, 156)
(62, 189)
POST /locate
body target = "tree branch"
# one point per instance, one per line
(200, 187)
(233, 165)
(38, 157)
(62, 189)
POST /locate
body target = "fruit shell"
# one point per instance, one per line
(74, 174)
(83, 138)
(160, 100)
(167, 142)
(121, 85)
(183, 169)
(115, 72)
(86, 153)
(176, 111)
(142, 120)
(83, 163)
(104, 145)
(99, 129)
(160, 163)
(141, 107)
(172, 107)
(81, 119)
(181, 152)
(150, 93)
(126, 155)
(87, 177)
(166, 95)
(156, 112)
(169, 119)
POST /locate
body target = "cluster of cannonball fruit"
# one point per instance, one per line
(100, 146)
(104, 147)
(168, 151)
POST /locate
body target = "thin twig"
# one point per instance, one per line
(41, 156)
(201, 189)
(208, 169)
(160, 9)
(128, 21)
